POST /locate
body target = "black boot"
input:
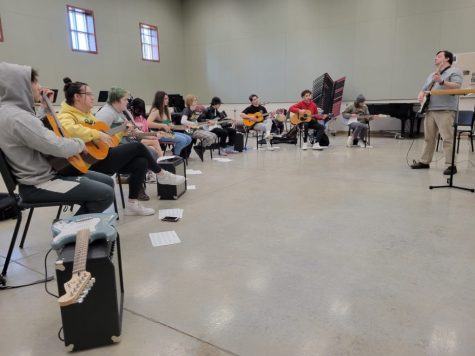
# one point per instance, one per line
(199, 151)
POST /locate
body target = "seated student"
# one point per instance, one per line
(189, 118)
(319, 130)
(26, 144)
(133, 158)
(213, 115)
(265, 126)
(114, 113)
(352, 114)
(160, 118)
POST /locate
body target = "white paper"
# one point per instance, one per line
(164, 158)
(222, 159)
(192, 172)
(191, 187)
(164, 238)
(170, 212)
(57, 185)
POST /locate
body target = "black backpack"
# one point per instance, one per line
(7, 207)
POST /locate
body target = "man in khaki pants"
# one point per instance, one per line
(441, 111)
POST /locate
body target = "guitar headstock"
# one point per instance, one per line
(76, 288)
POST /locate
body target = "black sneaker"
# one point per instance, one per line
(419, 165)
(450, 170)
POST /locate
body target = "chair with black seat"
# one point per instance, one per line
(465, 125)
(19, 206)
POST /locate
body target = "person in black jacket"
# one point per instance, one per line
(224, 131)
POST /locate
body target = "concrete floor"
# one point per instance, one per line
(341, 252)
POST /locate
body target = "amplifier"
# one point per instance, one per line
(97, 320)
(175, 165)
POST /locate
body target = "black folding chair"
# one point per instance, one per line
(19, 206)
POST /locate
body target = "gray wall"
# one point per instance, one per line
(276, 48)
(232, 48)
(36, 34)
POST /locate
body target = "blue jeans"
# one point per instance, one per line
(180, 140)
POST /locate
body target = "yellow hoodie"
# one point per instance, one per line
(72, 120)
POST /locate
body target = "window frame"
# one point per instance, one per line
(154, 28)
(1, 30)
(71, 31)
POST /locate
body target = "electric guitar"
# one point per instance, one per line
(216, 123)
(425, 102)
(81, 282)
(365, 118)
(99, 225)
(254, 118)
(73, 165)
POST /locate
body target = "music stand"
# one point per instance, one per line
(458, 92)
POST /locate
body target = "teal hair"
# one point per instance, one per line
(115, 94)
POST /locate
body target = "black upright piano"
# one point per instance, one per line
(402, 111)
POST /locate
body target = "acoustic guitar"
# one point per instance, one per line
(99, 149)
(298, 118)
(81, 281)
(74, 165)
(255, 118)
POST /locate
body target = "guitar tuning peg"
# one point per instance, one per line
(80, 300)
(93, 280)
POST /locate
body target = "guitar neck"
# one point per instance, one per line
(117, 129)
(80, 251)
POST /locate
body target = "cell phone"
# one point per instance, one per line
(171, 218)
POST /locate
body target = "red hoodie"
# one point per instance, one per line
(302, 105)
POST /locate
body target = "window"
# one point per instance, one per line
(149, 39)
(81, 30)
(1, 31)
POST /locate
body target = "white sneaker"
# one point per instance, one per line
(304, 146)
(137, 209)
(349, 142)
(167, 178)
(316, 146)
(361, 144)
(270, 148)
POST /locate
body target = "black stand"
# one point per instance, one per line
(450, 180)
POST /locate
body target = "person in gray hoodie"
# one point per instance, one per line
(26, 142)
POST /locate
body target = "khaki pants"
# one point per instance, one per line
(438, 122)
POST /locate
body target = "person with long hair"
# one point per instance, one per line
(131, 158)
(159, 118)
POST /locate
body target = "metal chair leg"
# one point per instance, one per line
(12, 244)
(27, 225)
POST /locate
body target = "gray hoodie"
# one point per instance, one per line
(23, 138)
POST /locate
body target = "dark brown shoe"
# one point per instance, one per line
(450, 170)
(143, 196)
(419, 165)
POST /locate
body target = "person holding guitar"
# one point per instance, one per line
(307, 111)
(189, 118)
(441, 110)
(160, 118)
(132, 158)
(255, 112)
(357, 116)
(212, 115)
(27, 145)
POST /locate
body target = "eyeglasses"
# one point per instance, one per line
(87, 93)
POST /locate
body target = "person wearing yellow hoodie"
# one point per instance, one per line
(130, 158)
